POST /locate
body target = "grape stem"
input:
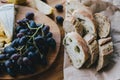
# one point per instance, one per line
(30, 27)
(32, 37)
(36, 32)
(37, 47)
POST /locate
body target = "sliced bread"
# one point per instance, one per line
(93, 48)
(105, 51)
(76, 48)
(72, 5)
(87, 21)
(72, 24)
(103, 24)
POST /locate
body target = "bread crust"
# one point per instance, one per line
(87, 21)
(105, 51)
(103, 24)
(80, 42)
(72, 24)
(93, 49)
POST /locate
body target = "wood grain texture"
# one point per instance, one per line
(55, 72)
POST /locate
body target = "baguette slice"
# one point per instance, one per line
(93, 48)
(89, 38)
(105, 52)
(72, 24)
(103, 25)
(87, 21)
(76, 48)
(72, 5)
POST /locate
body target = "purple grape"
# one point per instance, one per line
(51, 42)
(24, 31)
(39, 40)
(8, 64)
(32, 56)
(21, 22)
(10, 50)
(46, 29)
(59, 7)
(19, 35)
(26, 61)
(49, 35)
(15, 42)
(59, 20)
(15, 56)
(33, 24)
(2, 56)
(20, 61)
(29, 15)
(23, 40)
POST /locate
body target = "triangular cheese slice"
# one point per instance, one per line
(43, 7)
(7, 18)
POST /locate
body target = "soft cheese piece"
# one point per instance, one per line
(7, 17)
(43, 7)
(76, 48)
(103, 25)
(105, 51)
(87, 21)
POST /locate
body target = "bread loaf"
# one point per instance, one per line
(103, 24)
(105, 51)
(76, 48)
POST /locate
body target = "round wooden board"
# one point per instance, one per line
(39, 18)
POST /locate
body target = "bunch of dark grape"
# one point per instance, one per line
(29, 47)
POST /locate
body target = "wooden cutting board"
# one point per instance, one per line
(39, 18)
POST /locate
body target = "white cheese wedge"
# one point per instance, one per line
(7, 18)
(43, 7)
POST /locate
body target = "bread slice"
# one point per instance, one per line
(105, 51)
(72, 5)
(93, 48)
(76, 48)
(89, 38)
(103, 25)
(87, 21)
(72, 24)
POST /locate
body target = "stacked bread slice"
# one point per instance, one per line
(105, 51)
(86, 32)
(93, 48)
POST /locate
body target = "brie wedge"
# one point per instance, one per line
(43, 7)
(7, 17)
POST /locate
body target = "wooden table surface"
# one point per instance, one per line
(55, 72)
